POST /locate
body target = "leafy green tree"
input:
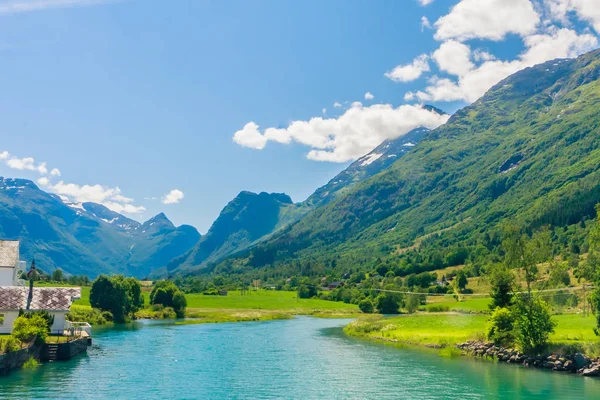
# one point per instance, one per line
(389, 302)
(500, 327)
(366, 306)
(119, 295)
(168, 294)
(502, 281)
(412, 303)
(533, 322)
(461, 280)
(57, 275)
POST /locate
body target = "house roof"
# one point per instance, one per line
(13, 298)
(9, 253)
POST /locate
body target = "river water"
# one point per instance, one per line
(303, 358)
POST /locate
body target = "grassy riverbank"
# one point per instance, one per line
(261, 305)
(450, 328)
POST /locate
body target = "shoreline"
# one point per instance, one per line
(569, 361)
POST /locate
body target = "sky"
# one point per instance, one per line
(151, 106)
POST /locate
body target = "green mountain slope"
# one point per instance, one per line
(527, 152)
(86, 238)
(251, 218)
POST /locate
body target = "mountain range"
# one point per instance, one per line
(86, 238)
(526, 152)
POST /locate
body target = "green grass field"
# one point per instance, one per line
(443, 329)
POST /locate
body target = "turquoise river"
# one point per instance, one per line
(303, 358)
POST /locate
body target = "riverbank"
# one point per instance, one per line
(463, 334)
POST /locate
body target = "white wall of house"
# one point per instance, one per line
(59, 321)
(6, 276)
(9, 319)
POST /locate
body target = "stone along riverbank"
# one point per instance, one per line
(572, 363)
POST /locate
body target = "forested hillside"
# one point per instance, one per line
(526, 153)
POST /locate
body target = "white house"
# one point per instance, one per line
(14, 295)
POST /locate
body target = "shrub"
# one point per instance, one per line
(366, 306)
(91, 315)
(437, 308)
(500, 327)
(31, 363)
(26, 329)
(9, 344)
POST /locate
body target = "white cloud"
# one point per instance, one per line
(23, 164)
(324, 111)
(474, 81)
(588, 10)
(55, 172)
(487, 19)
(453, 57)
(425, 24)
(409, 72)
(16, 7)
(349, 136)
(337, 105)
(43, 181)
(425, 2)
(369, 96)
(173, 197)
(109, 197)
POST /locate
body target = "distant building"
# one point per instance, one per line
(14, 295)
(335, 285)
(222, 292)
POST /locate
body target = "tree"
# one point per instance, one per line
(533, 320)
(389, 302)
(502, 281)
(461, 280)
(533, 323)
(169, 295)
(500, 327)
(119, 295)
(412, 303)
(57, 275)
(366, 306)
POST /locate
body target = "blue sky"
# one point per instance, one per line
(146, 96)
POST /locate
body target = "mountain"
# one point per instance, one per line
(251, 218)
(527, 152)
(248, 218)
(378, 160)
(86, 238)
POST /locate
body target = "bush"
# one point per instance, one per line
(500, 327)
(9, 344)
(366, 306)
(437, 308)
(26, 329)
(91, 315)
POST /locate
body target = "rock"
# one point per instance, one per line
(594, 371)
(581, 361)
(569, 366)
